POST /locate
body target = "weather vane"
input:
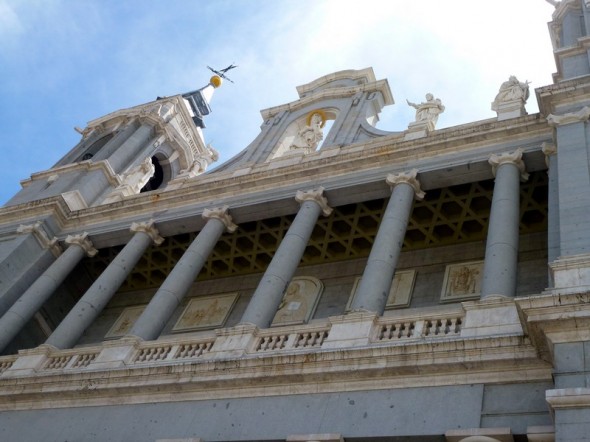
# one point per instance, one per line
(222, 72)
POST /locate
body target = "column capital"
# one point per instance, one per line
(496, 160)
(315, 195)
(41, 236)
(149, 229)
(82, 241)
(409, 178)
(571, 117)
(221, 213)
(549, 149)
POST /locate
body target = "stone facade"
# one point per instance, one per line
(329, 285)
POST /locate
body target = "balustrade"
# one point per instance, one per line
(388, 330)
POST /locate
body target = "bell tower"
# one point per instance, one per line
(143, 148)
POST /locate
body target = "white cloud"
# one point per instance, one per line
(82, 60)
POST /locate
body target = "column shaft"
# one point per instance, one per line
(376, 281)
(501, 257)
(98, 295)
(269, 293)
(153, 320)
(38, 293)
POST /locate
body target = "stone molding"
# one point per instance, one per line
(149, 229)
(555, 318)
(82, 241)
(323, 437)
(497, 160)
(361, 159)
(409, 178)
(568, 398)
(315, 195)
(572, 117)
(549, 149)
(228, 372)
(41, 236)
(545, 433)
(480, 435)
(571, 274)
(83, 166)
(221, 213)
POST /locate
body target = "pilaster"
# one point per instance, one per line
(41, 236)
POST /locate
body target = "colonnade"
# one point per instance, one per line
(499, 277)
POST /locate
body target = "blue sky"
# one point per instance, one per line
(66, 62)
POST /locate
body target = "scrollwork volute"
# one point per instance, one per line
(317, 196)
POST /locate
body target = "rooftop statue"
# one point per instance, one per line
(511, 91)
(310, 136)
(428, 111)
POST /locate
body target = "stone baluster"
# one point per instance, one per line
(100, 292)
(269, 293)
(154, 318)
(501, 257)
(375, 284)
(41, 290)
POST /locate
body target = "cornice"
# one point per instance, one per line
(555, 318)
(365, 161)
(84, 166)
(363, 75)
(336, 92)
(419, 364)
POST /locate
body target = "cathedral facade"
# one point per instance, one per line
(323, 285)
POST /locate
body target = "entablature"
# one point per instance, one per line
(349, 174)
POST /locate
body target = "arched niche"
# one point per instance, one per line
(305, 134)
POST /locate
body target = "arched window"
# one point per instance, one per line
(157, 179)
(95, 147)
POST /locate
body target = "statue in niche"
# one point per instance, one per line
(428, 111)
(309, 137)
(511, 91)
(138, 176)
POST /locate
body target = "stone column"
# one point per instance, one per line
(42, 289)
(376, 281)
(105, 286)
(553, 249)
(501, 258)
(154, 318)
(269, 293)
